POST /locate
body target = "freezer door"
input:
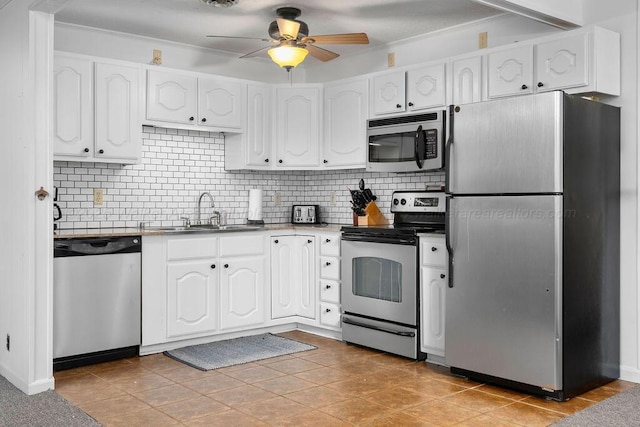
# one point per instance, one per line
(503, 305)
(507, 146)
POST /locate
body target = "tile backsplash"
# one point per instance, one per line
(178, 165)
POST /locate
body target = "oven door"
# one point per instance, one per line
(380, 281)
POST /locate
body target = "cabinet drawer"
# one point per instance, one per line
(433, 252)
(242, 245)
(330, 245)
(329, 268)
(191, 247)
(330, 315)
(330, 291)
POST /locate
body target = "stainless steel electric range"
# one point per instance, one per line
(380, 275)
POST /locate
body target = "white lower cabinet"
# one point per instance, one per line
(293, 276)
(433, 283)
(242, 292)
(329, 280)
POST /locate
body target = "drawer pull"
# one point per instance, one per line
(442, 276)
(275, 241)
(433, 249)
(327, 310)
(213, 266)
(226, 266)
(327, 287)
(328, 240)
(309, 241)
(327, 263)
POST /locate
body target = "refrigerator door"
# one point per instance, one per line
(507, 146)
(503, 305)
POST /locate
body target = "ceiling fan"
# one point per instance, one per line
(294, 42)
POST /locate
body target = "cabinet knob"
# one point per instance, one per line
(226, 266)
(523, 87)
(398, 106)
(191, 118)
(327, 287)
(328, 240)
(204, 119)
(327, 310)
(540, 84)
(86, 150)
(280, 161)
(213, 266)
(325, 161)
(327, 263)
(411, 104)
(433, 249)
(266, 160)
(101, 151)
(309, 241)
(275, 241)
(442, 276)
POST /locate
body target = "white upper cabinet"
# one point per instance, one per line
(562, 64)
(171, 97)
(510, 72)
(96, 114)
(345, 115)
(189, 99)
(297, 130)
(252, 148)
(466, 80)
(117, 112)
(411, 90)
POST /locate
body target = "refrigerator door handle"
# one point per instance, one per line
(447, 149)
(419, 147)
(447, 238)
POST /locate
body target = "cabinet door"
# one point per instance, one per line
(171, 97)
(345, 115)
(466, 80)
(284, 301)
(426, 87)
(241, 292)
(433, 284)
(305, 264)
(73, 107)
(562, 64)
(118, 132)
(220, 103)
(510, 72)
(258, 129)
(297, 127)
(192, 297)
(389, 93)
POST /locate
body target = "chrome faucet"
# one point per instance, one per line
(216, 214)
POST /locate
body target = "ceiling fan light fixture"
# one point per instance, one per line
(288, 57)
(220, 3)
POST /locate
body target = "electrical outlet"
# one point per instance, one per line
(157, 57)
(391, 59)
(98, 196)
(332, 198)
(482, 40)
(277, 198)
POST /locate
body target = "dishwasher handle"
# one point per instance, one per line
(97, 246)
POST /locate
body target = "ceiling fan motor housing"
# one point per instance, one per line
(289, 13)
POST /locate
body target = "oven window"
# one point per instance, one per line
(397, 147)
(377, 278)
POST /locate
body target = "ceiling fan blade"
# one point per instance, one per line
(255, 52)
(351, 38)
(245, 38)
(323, 55)
(288, 29)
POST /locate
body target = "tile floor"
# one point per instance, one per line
(334, 385)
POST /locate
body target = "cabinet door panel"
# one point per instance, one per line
(220, 103)
(171, 97)
(192, 298)
(467, 80)
(426, 87)
(510, 72)
(433, 282)
(330, 291)
(297, 127)
(389, 93)
(73, 107)
(307, 290)
(241, 292)
(283, 276)
(118, 127)
(562, 64)
(258, 130)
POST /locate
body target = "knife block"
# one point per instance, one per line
(374, 216)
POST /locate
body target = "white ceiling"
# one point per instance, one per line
(189, 21)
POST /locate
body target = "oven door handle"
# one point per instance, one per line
(375, 328)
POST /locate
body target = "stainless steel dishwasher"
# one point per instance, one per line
(96, 300)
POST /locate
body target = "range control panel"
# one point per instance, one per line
(418, 201)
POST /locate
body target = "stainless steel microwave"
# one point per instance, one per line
(406, 143)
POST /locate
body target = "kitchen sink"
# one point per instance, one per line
(204, 228)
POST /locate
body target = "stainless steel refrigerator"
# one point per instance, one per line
(533, 236)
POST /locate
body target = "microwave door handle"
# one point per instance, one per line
(420, 145)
